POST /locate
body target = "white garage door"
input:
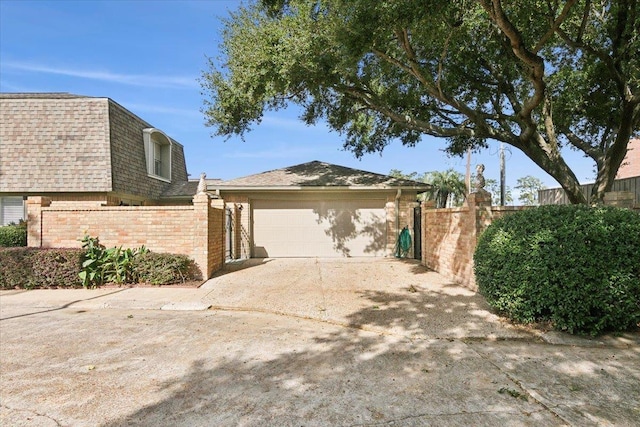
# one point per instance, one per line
(318, 228)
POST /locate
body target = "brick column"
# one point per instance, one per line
(480, 208)
(201, 233)
(480, 218)
(216, 238)
(34, 219)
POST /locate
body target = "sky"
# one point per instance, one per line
(148, 56)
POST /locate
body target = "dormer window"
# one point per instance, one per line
(157, 148)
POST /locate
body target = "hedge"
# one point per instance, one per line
(13, 235)
(30, 268)
(159, 268)
(575, 266)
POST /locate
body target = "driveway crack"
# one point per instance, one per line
(323, 308)
(29, 411)
(400, 420)
(535, 397)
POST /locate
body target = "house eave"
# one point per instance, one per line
(214, 188)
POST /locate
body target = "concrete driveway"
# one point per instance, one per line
(301, 343)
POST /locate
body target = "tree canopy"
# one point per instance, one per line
(528, 186)
(536, 74)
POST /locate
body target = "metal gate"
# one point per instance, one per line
(417, 232)
(229, 234)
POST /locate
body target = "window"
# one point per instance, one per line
(157, 147)
(11, 210)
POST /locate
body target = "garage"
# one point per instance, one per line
(318, 228)
(316, 209)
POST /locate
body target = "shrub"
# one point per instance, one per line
(28, 268)
(164, 269)
(16, 268)
(576, 266)
(57, 268)
(13, 235)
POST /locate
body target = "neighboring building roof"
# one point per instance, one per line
(318, 175)
(38, 95)
(185, 189)
(631, 164)
(64, 143)
(54, 143)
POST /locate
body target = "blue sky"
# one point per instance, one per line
(148, 56)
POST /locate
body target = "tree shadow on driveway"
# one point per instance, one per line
(384, 368)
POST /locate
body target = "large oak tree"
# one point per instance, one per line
(536, 74)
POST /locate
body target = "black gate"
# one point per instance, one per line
(417, 232)
(229, 234)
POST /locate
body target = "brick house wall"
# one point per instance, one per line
(406, 204)
(631, 164)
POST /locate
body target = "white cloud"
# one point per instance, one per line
(107, 76)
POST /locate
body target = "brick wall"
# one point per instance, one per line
(196, 231)
(449, 236)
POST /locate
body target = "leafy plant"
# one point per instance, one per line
(102, 265)
(91, 273)
(575, 266)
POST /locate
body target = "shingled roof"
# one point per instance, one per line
(318, 174)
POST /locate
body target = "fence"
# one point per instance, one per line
(195, 230)
(557, 196)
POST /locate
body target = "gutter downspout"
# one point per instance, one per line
(398, 212)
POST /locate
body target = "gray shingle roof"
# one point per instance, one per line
(39, 95)
(319, 174)
(185, 189)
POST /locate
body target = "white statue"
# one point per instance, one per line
(202, 185)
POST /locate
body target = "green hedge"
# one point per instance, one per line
(576, 266)
(13, 235)
(28, 268)
(159, 268)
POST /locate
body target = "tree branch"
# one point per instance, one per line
(556, 24)
(531, 60)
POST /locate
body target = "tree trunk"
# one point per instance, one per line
(552, 162)
(614, 156)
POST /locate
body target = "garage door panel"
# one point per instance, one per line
(319, 228)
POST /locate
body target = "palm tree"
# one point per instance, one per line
(448, 188)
